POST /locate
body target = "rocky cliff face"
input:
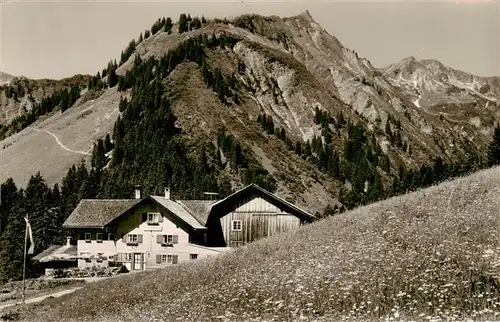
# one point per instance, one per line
(289, 69)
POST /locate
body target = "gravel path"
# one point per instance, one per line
(41, 298)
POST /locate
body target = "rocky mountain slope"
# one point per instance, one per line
(313, 88)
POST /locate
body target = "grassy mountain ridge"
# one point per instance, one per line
(431, 254)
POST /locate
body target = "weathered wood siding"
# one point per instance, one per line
(259, 219)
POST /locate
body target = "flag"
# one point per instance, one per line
(31, 250)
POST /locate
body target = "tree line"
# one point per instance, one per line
(62, 99)
(361, 162)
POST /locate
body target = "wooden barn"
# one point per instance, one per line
(250, 214)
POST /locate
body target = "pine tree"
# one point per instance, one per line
(108, 146)
(12, 243)
(112, 77)
(183, 23)
(98, 155)
(69, 193)
(298, 148)
(376, 189)
(168, 25)
(8, 193)
(196, 23)
(90, 187)
(494, 148)
(385, 163)
(42, 215)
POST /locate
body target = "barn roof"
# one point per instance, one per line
(200, 209)
(228, 204)
(96, 213)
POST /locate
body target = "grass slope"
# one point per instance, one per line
(59, 141)
(432, 253)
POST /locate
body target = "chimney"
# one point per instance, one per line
(68, 241)
(137, 192)
(167, 193)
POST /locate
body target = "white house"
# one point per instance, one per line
(156, 231)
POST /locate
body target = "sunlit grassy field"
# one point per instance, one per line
(432, 254)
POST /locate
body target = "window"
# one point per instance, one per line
(110, 236)
(167, 259)
(98, 237)
(132, 239)
(236, 225)
(193, 256)
(88, 237)
(154, 218)
(128, 257)
(167, 239)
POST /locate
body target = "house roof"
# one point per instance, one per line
(178, 210)
(96, 213)
(227, 204)
(200, 209)
(57, 252)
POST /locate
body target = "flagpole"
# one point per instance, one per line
(24, 264)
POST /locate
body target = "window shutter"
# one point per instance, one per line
(124, 238)
(160, 239)
(144, 217)
(175, 259)
(175, 239)
(139, 239)
(158, 259)
(160, 218)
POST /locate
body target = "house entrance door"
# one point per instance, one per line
(137, 264)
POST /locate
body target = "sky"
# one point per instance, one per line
(56, 39)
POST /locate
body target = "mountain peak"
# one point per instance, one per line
(307, 15)
(409, 60)
(304, 15)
